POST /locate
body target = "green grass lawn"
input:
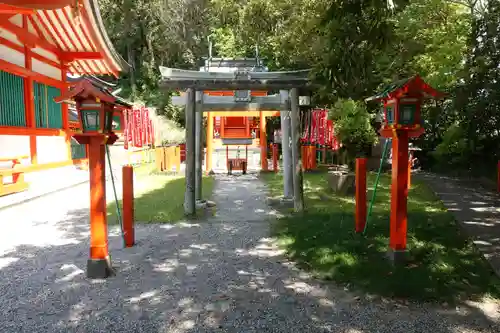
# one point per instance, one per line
(159, 197)
(443, 264)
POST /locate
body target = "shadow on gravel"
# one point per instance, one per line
(219, 277)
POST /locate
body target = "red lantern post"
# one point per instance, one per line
(402, 121)
(95, 106)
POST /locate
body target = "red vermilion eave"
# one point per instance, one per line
(38, 4)
(77, 38)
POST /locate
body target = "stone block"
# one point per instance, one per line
(342, 182)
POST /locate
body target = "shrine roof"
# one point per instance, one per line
(399, 88)
(71, 30)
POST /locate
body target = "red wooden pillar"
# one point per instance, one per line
(99, 265)
(399, 191)
(29, 99)
(360, 194)
(247, 127)
(304, 158)
(210, 139)
(128, 205)
(312, 157)
(263, 143)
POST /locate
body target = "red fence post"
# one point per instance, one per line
(128, 205)
(360, 194)
(312, 157)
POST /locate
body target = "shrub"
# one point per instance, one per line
(352, 126)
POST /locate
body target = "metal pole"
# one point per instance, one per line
(286, 148)
(189, 194)
(198, 144)
(298, 190)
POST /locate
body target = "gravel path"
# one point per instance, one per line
(221, 275)
(476, 209)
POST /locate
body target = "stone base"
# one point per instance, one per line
(99, 268)
(211, 172)
(317, 170)
(201, 204)
(282, 202)
(210, 203)
(342, 183)
(286, 199)
(397, 257)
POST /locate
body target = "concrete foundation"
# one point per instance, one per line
(99, 268)
(342, 183)
(397, 257)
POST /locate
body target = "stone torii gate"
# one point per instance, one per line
(195, 101)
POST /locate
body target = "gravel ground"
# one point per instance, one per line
(219, 275)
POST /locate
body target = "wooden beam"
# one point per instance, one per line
(26, 37)
(14, 130)
(241, 113)
(29, 99)
(72, 56)
(45, 166)
(21, 71)
(10, 9)
(263, 84)
(39, 4)
(20, 48)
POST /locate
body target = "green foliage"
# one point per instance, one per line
(453, 148)
(353, 34)
(353, 47)
(159, 197)
(352, 125)
(430, 38)
(478, 98)
(150, 33)
(169, 132)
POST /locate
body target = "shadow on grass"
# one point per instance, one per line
(443, 265)
(172, 282)
(160, 198)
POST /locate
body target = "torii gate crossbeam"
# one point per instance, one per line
(288, 83)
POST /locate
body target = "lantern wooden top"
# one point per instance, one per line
(410, 87)
(402, 102)
(87, 89)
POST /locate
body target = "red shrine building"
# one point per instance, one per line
(42, 45)
(234, 131)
